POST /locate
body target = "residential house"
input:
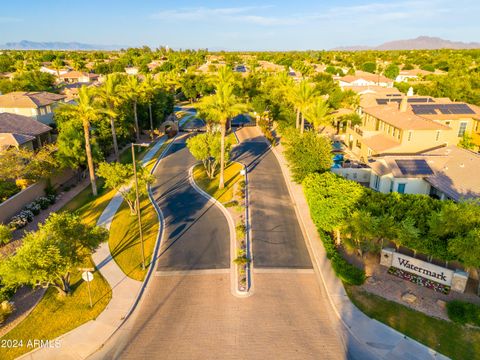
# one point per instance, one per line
(23, 131)
(48, 70)
(133, 70)
(362, 78)
(36, 104)
(445, 173)
(78, 77)
(414, 74)
(393, 128)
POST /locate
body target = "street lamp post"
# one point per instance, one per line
(138, 201)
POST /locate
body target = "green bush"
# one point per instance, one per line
(344, 270)
(5, 234)
(7, 190)
(463, 312)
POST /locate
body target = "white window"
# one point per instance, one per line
(376, 182)
(462, 129)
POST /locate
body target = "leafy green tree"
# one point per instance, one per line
(332, 199)
(207, 148)
(392, 71)
(119, 177)
(221, 107)
(370, 67)
(307, 153)
(467, 142)
(48, 256)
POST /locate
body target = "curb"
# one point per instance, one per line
(161, 231)
(233, 236)
(319, 273)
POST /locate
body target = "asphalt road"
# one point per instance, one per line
(277, 238)
(195, 124)
(196, 232)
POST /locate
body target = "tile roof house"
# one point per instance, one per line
(19, 130)
(36, 104)
(362, 78)
(79, 77)
(444, 173)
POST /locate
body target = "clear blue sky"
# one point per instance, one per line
(235, 25)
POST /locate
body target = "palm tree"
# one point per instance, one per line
(132, 90)
(87, 111)
(221, 107)
(302, 97)
(149, 89)
(57, 64)
(318, 114)
(108, 96)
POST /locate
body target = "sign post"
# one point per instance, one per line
(88, 276)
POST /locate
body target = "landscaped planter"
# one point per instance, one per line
(416, 279)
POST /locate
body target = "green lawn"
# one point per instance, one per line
(54, 316)
(453, 340)
(232, 175)
(124, 240)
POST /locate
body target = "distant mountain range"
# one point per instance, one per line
(54, 45)
(420, 43)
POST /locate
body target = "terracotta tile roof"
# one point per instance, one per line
(19, 124)
(376, 78)
(20, 99)
(380, 142)
(403, 120)
(78, 74)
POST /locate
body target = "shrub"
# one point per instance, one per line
(27, 214)
(5, 234)
(6, 309)
(52, 198)
(7, 190)
(18, 222)
(344, 270)
(463, 312)
(34, 207)
(231, 203)
(242, 260)
(43, 201)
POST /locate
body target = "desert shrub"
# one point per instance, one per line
(34, 207)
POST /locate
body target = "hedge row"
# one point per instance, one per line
(344, 270)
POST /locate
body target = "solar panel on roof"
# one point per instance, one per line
(424, 109)
(414, 167)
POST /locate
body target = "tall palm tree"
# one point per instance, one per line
(86, 110)
(57, 64)
(149, 89)
(109, 96)
(318, 113)
(302, 96)
(132, 91)
(221, 107)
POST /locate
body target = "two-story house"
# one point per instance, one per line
(36, 104)
(393, 128)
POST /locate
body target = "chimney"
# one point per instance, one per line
(403, 104)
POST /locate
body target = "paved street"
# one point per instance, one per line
(277, 238)
(193, 315)
(187, 215)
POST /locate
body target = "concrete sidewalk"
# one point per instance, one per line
(87, 338)
(377, 338)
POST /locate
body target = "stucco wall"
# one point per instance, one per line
(16, 203)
